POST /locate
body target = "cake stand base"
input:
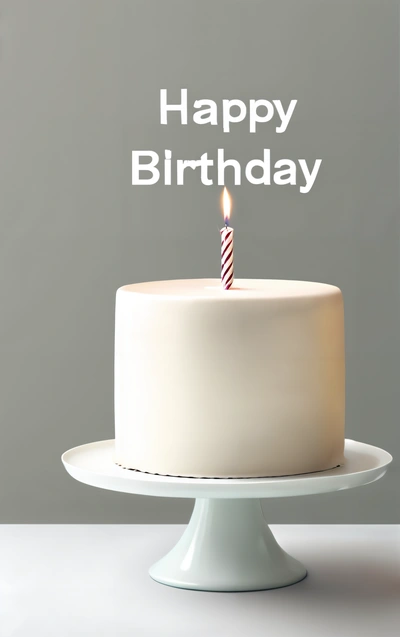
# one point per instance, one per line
(227, 546)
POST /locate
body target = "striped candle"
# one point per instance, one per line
(227, 277)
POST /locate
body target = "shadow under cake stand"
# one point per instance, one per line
(227, 545)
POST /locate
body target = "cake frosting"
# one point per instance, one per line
(245, 382)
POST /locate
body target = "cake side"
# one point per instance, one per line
(221, 387)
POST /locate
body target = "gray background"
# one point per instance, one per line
(79, 83)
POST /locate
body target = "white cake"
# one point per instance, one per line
(245, 382)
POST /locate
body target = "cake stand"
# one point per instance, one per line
(227, 545)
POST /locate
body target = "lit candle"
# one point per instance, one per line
(226, 244)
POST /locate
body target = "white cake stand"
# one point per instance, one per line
(227, 545)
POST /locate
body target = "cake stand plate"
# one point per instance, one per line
(227, 545)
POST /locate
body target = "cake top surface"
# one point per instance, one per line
(242, 288)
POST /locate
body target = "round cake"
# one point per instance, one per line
(246, 382)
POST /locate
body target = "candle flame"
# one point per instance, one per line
(226, 204)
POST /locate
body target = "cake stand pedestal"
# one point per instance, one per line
(227, 545)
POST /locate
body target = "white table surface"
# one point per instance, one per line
(91, 580)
